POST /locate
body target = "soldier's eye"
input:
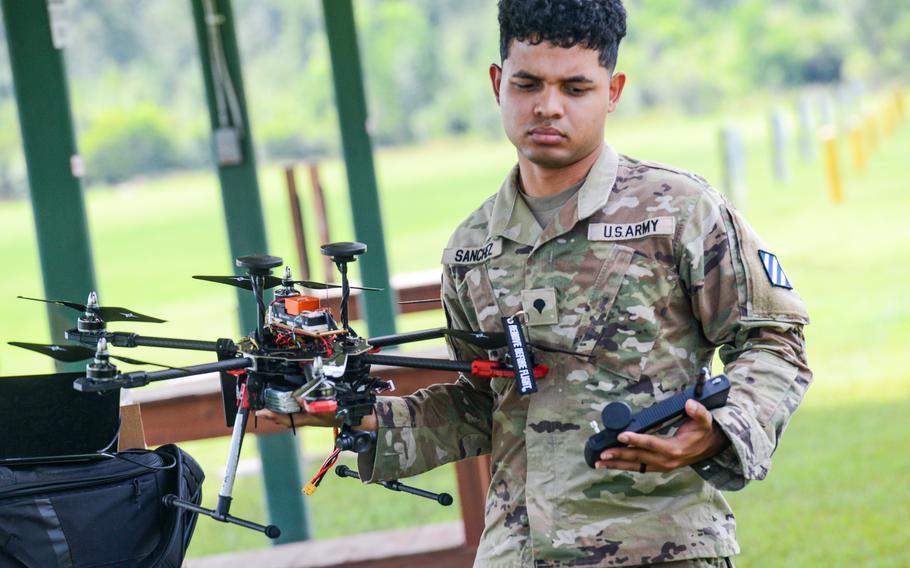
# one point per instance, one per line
(576, 90)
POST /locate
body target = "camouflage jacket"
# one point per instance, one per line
(651, 271)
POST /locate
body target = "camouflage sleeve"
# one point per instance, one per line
(758, 323)
(436, 425)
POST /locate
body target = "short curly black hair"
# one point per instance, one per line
(595, 24)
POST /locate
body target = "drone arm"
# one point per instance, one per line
(125, 339)
(418, 363)
(400, 338)
(222, 345)
(141, 378)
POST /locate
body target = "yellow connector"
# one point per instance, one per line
(309, 489)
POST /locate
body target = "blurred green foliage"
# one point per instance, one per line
(119, 144)
(425, 67)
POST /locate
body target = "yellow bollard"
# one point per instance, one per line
(829, 150)
(888, 120)
(871, 133)
(859, 151)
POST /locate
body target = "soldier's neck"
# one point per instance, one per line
(538, 181)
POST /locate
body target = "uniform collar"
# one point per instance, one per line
(512, 219)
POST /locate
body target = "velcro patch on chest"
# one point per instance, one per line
(628, 231)
(472, 255)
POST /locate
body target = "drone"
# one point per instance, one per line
(298, 358)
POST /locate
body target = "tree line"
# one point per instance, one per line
(138, 100)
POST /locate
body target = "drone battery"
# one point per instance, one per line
(281, 401)
(296, 305)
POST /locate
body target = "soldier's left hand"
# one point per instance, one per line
(697, 439)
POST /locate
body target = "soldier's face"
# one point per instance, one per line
(554, 101)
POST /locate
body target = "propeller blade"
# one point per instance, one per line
(238, 281)
(73, 305)
(273, 281)
(75, 353)
(241, 281)
(107, 314)
(320, 286)
(138, 362)
(65, 353)
(123, 314)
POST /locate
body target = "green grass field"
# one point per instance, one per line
(837, 495)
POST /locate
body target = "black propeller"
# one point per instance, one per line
(105, 313)
(74, 353)
(273, 281)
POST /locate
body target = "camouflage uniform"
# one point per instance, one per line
(651, 270)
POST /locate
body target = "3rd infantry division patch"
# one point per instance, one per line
(774, 270)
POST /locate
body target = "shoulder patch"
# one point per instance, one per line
(774, 270)
(627, 231)
(472, 255)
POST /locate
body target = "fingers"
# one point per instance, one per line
(630, 459)
(652, 443)
(266, 414)
(631, 466)
(699, 413)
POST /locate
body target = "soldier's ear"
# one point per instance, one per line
(617, 82)
(496, 79)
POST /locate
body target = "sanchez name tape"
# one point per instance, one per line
(472, 255)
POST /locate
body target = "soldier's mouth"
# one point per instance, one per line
(547, 135)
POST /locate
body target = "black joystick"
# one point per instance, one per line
(618, 418)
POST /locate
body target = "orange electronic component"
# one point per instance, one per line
(321, 406)
(297, 304)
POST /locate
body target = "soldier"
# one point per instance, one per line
(634, 273)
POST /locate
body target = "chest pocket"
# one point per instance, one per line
(476, 290)
(480, 295)
(619, 316)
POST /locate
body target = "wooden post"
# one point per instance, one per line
(322, 219)
(806, 130)
(835, 182)
(871, 133)
(733, 162)
(888, 120)
(858, 149)
(826, 110)
(779, 146)
(899, 104)
(473, 482)
(297, 220)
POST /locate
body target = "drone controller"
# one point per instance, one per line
(617, 416)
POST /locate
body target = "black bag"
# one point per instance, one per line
(104, 513)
